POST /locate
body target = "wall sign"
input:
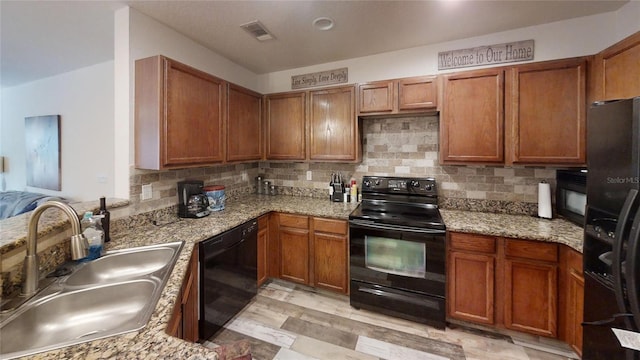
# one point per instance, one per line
(329, 77)
(486, 55)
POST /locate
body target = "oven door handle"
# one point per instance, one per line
(374, 225)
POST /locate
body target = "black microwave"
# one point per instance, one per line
(571, 195)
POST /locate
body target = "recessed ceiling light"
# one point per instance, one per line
(323, 23)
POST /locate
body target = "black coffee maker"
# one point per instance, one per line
(192, 201)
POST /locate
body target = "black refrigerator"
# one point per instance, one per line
(612, 231)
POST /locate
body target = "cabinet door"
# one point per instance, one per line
(285, 117)
(333, 126)
(531, 296)
(617, 71)
(190, 300)
(294, 254)
(263, 246)
(194, 112)
(545, 113)
(417, 93)
(471, 122)
(576, 310)
(376, 97)
(471, 288)
(178, 115)
(244, 125)
(330, 255)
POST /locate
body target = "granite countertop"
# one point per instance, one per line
(515, 226)
(153, 342)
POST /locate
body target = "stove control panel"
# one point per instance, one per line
(384, 184)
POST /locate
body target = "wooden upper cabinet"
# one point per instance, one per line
(472, 117)
(376, 97)
(417, 93)
(616, 71)
(333, 126)
(545, 113)
(398, 96)
(244, 125)
(178, 115)
(285, 126)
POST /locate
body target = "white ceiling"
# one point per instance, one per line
(44, 38)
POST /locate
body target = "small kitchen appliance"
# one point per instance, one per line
(192, 200)
(397, 250)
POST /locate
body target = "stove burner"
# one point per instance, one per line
(400, 201)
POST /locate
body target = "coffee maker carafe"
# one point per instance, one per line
(192, 201)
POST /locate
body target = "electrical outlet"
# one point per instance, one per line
(309, 174)
(245, 177)
(147, 192)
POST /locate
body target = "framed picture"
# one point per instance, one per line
(42, 138)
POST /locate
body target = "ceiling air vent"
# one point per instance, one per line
(257, 30)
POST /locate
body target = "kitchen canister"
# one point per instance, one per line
(216, 196)
(259, 185)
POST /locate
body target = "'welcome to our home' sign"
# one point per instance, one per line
(486, 55)
(329, 77)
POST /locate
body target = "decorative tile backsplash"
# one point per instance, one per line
(405, 146)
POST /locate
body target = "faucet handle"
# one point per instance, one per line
(79, 246)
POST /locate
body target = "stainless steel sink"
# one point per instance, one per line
(122, 265)
(109, 296)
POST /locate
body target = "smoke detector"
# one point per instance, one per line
(257, 30)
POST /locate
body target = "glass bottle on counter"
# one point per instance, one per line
(106, 218)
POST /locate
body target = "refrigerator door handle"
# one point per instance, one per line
(632, 269)
(616, 266)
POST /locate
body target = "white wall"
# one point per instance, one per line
(84, 100)
(576, 37)
(148, 37)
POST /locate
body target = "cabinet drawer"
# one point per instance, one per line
(333, 226)
(294, 221)
(472, 242)
(531, 250)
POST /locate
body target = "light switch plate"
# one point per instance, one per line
(309, 174)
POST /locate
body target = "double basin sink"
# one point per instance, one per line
(112, 295)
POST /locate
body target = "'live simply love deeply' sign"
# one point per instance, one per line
(329, 77)
(486, 55)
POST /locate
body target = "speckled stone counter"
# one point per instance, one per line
(152, 342)
(514, 226)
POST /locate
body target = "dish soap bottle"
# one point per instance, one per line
(92, 230)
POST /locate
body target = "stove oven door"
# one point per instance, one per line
(398, 270)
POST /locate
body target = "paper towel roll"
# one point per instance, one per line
(544, 200)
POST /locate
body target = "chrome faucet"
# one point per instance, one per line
(79, 244)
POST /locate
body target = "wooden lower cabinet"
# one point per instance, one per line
(183, 323)
(312, 251)
(293, 236)
(330, 254)
(263, 247)
(571, 298)
(514, 284)
(531, 297)
(472, 262)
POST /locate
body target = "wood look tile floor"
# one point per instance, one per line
(292, 322)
